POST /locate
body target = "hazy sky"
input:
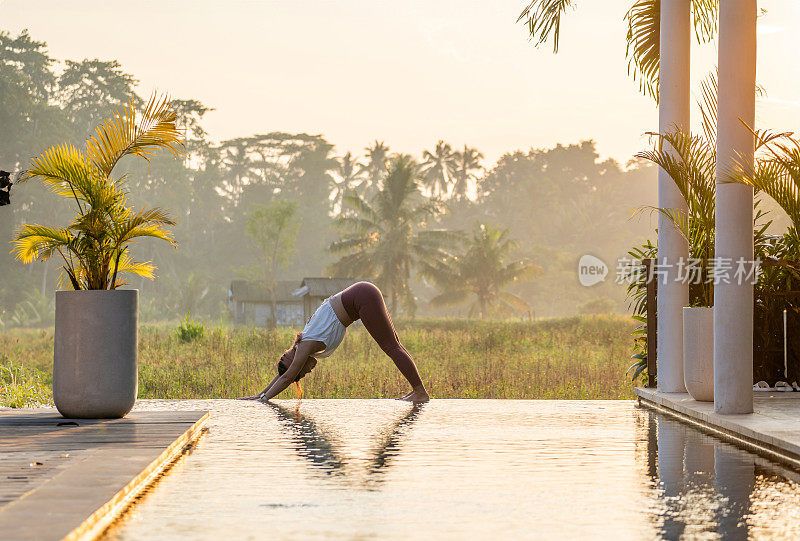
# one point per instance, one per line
(408, 73)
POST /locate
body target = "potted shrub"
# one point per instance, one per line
(95, 354)
(691, 163)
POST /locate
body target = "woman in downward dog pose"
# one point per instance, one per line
(325, 330)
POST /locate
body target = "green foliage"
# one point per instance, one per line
(569, 358)
(274, 229)
(22, 387)
(691, 162)
(543, 19)
(36, 310)
(467, 167)
(637, 299)
(377, 155)
(548, 198)
(482, 271)
(92, 89)
(189, 331)
(94, 246)
(439, 167)
(776, 174)
(350, 173)
(385, 238)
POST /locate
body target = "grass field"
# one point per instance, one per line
(570, 358)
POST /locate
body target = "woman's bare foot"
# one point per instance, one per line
(255, 397)
(417, 395)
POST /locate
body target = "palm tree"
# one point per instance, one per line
(386, 237)
(95, 246)
(543, 18)
(691, 162)
(468, 163)
(236, 158)
(438, 168)
(777, 174)
(375, 168)
(349, 171)
(480, 273)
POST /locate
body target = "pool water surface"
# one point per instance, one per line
(383, 469)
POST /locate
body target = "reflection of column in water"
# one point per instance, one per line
(734, 480)
(652, 447)
(671, 445)
(699, 496)
(699, 459)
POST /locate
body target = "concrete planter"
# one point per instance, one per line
(698, 352)
(94, 369)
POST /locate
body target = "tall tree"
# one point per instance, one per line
(274, 229)
(481, 273)
(95, 246)
(386, 237)
(90, 90)
(238, 162)
(190, 117)
(438, 168)
(467, 167)
(375, 168)
(30, 120)
(543, 19)
(350, 177)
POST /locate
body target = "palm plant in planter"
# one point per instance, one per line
(777, 174)
(94, 373)
(691, 162)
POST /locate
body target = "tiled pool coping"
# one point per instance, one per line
(69, 479)
(773, 429)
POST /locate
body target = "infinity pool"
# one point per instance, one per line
(382, 469)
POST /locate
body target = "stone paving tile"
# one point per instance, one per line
(55, 472)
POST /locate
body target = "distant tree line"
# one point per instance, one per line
(474, 238)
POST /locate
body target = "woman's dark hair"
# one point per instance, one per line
(287, 358)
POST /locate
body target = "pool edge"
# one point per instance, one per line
(98, 522)
(683, 408)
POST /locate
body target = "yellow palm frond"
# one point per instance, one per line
(93, 246)
(64, 169)
(149, 222)
(543, 18)
(37, 242)
(145, 269)
(121, 136)
(777, 171)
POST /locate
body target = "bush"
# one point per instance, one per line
(188, 331)
(21, 387)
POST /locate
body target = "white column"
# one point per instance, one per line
(733, 302)
(673, 113)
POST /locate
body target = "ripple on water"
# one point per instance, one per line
(455, 468)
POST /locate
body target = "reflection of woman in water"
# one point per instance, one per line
(319, 448)
(325, 330)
